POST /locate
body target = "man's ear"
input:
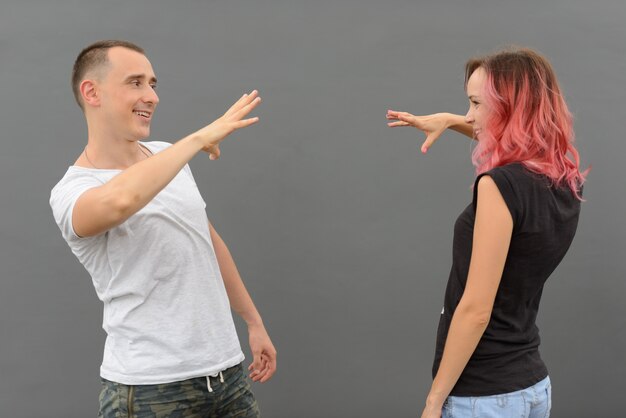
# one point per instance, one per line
(89, 93)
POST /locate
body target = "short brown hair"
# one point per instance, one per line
(95, 55)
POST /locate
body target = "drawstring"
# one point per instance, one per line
(208, 381)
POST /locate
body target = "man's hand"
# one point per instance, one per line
(263, 354)
(211, 135)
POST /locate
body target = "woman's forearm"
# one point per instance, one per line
(457, 123)
(466, 329)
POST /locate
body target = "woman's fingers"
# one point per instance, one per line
(397, 123)
(428, 124)
(407, 118)
(431, 138)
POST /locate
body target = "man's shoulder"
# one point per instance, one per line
(73, 173)
(156, 146)
(75, 179)
(69, 174)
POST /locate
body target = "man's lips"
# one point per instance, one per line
(143, 113)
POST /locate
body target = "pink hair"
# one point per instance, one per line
(529, 120)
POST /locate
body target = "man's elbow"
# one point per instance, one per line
(121, 205)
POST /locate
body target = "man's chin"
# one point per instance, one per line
(143, 135)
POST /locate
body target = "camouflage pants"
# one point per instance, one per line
(185, 399)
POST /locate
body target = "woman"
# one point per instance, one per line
(522, 219)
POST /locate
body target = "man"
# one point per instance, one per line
(132, 214)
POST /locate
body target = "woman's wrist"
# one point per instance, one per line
(435, 400)
(453, 120)
(457, 123)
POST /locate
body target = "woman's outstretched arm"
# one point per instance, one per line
(432, 125)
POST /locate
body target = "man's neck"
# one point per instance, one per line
(107, 151)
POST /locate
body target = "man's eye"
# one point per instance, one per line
(154, 86)
(135, 82)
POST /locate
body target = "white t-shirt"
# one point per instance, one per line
(166, 311)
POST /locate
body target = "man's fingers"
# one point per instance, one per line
(243, 100)
(243, 111)
(214, 152)
(246, 99)
(269, 371)
(263, 367)
(257, 361)
(257, 375)
(235, 105)
(260, 375)
(246, 122)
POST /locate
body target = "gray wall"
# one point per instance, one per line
(341, 229)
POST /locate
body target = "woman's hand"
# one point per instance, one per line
(431, 412)
(432, 125)
(434, 405)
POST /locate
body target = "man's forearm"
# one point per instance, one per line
(141, 182)
(238, 295)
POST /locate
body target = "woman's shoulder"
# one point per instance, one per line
(520, 175)
(513, 169)
(525, 182)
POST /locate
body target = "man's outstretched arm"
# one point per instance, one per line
(263, 352)
(102, 208)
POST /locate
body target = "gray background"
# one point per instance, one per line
(341, 229)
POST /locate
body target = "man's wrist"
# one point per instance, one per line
(252, 323)
(195, 140)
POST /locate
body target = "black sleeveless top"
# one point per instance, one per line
(544, 223)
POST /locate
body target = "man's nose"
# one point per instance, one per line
(151, 97)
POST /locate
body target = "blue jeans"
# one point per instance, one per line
(532, 402)
(227, 395)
